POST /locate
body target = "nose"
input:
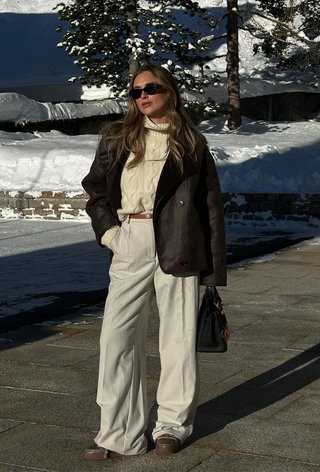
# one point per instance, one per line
(143, 94)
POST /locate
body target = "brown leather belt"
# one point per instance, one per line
(147, 216)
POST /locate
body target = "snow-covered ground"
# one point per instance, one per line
(277, 157)
(31, 60)
(43, 262)
(44, 161)
(281, 157)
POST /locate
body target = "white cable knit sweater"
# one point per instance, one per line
(139, 184)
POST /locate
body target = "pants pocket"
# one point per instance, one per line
(114, 241)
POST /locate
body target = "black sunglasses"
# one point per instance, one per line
(150, 89)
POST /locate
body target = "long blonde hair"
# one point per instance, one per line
(128, 134)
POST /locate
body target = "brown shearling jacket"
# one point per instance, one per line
(188, 214)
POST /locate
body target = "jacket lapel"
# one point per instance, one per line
(171, 177)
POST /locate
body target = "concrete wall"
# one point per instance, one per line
(245, 207)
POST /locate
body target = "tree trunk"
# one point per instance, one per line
(134, 64)
(234, 114)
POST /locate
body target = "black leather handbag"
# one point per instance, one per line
(212, 331)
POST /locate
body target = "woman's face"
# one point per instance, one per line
(153, 106)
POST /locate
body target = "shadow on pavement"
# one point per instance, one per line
(257, 393)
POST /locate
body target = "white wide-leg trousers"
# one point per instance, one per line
(134, 275)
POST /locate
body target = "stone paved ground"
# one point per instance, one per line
(259, 408)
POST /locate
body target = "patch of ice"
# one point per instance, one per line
(49, 323)
(83, 322)
(5, 340)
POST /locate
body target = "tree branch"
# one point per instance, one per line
(280, 24)
(213, 37)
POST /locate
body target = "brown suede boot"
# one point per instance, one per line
(97, 453)
(167, 444)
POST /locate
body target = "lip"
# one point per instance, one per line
(145, 104)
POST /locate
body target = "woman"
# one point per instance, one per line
(155, 201)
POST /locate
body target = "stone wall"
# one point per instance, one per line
(260, 208)
(272, 207)
(48, 205)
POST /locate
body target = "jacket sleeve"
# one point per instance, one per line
(98, 205)
(216, 224)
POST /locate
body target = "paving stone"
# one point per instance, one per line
(225, 461)
(287, 332)
(259, 353)
(304, 410)
(8, 424)
(35, 334)
(258, 404)
(39, 353)
(16, 468)
(234, 275)
(153, 365)
(289, 285)
(297, 374)
(241, 322)
(83, 339)
(47, 378)
(235, 313)
(309, 301)
(297, 442)
(306, 255)
(254, 284)
(63, 450)
(216, 372)
(153, 324)
(279, 271)
(152, 344)
(259, 300)
(90, 364)
(310, 342)
(48, 408)
(222, 404)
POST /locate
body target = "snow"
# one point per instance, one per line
(34, 6)
(17, 108)
(277, 157)
(260, 157)
(44, 161)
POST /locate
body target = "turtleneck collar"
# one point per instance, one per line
(155, 129)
